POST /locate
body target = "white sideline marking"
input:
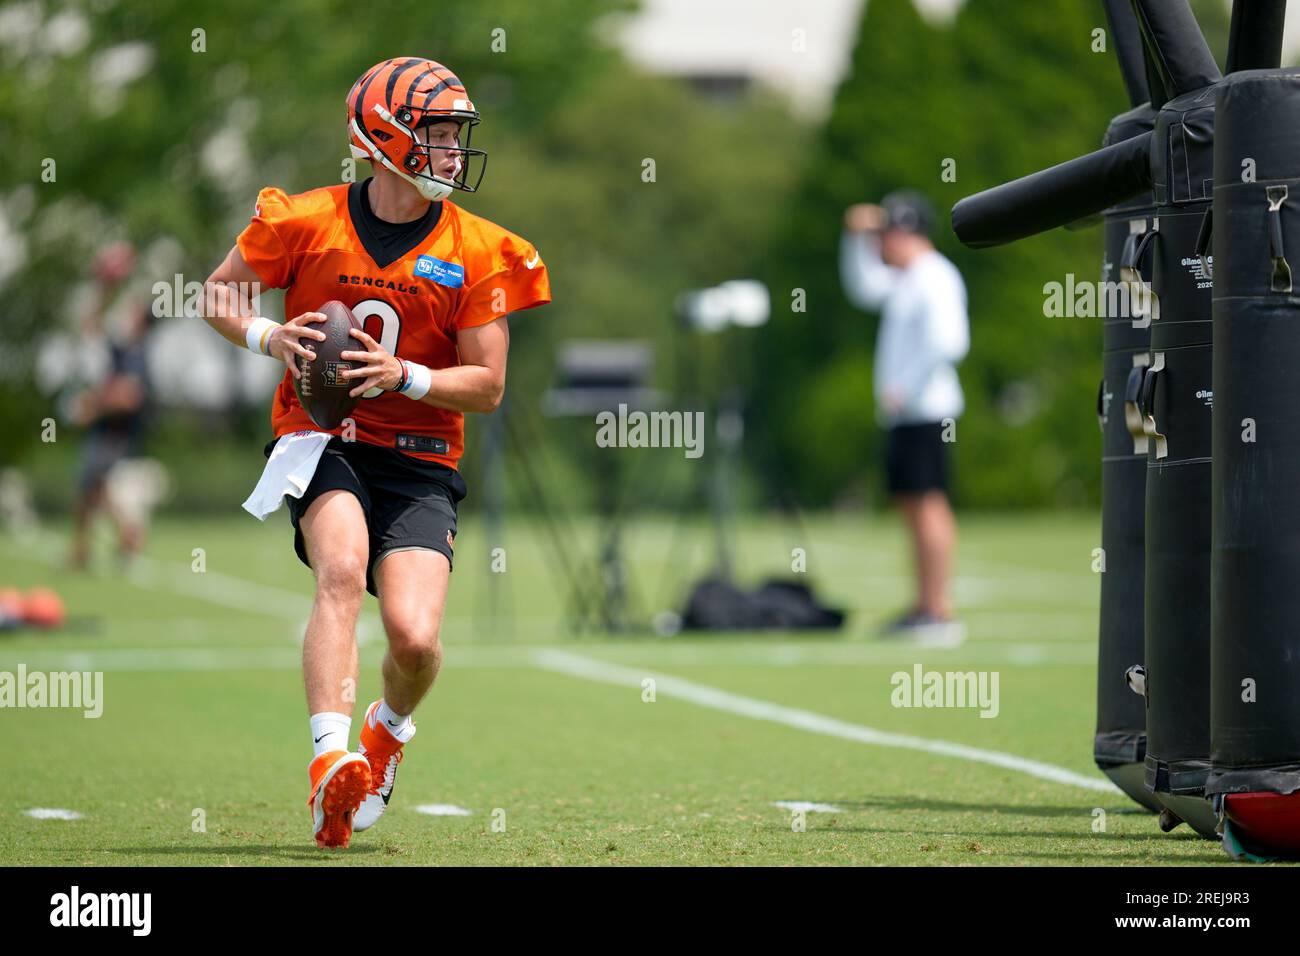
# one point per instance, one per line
(162, 660)
(53, 813)
(995, 577)
(462, 656)
(214, 587)
(229, 591)
(171, 659)
(267, 658)
(574, 665)
(442, 810)
(807, 806)
(217, 588)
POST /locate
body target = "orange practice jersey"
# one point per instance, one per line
(467, 271)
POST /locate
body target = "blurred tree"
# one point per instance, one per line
(1215, 18)
(892, 124)
(999, 96)
(164, 119)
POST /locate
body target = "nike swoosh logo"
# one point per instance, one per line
(389, 795)
(317, 740)
(391, 724)
(532, 263)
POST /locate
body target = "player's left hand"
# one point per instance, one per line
(380, 369)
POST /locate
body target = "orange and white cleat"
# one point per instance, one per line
(382, 747)
(339, 782)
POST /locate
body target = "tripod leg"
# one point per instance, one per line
(580, 606)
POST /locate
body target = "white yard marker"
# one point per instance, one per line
(807, 806)
(52, 813)
(574, 665)
(442, 810)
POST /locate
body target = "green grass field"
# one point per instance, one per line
(544, 738)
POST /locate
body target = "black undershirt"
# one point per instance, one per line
(389, 241)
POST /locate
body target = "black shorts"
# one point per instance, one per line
(99, 453)
(408, 502)
(916, 459)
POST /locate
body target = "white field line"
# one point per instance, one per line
(228, 591)
(863, 555)
(158, 660)
(807, 806)
(979, 590)
(279, 657)
(574, 665)
(863, 653)
(442, 810)
(214, 587)
(169, 659)
(222, 589)
(53, 813)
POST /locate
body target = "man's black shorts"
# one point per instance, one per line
(408, 502)
(916, 459)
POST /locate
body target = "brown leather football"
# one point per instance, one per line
(321, 391)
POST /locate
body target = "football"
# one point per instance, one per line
(321, 390)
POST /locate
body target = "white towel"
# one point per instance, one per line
(288, 471)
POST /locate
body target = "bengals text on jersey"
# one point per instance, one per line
(465, 272)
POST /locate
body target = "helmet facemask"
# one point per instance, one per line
(422, 156)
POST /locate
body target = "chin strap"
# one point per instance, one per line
(431, 189)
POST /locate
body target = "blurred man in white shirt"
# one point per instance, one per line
(888, 263)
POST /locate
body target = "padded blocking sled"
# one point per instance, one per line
(1256, 622)
(1120, 742)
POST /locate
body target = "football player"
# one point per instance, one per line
(374, 504)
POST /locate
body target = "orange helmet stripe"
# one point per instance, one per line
(404, 82)
(395, 73)
(410, 87)
(447, 82)
(363, 86)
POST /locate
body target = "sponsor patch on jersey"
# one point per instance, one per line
(444, 273)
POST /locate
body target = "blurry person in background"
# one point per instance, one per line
(114, 410)
(888, 263)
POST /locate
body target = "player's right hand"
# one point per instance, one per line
(864, 217)
(286, 342)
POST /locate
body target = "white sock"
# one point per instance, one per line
(399, 725)
(329, 731)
